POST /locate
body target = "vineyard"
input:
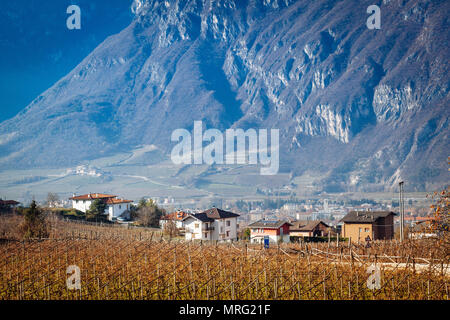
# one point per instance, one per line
(120, 263)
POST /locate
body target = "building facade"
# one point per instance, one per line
(176, 217)
(8, 205)
(114, 207)
(368, 225)
(213, 224)
(308, 228)
(275, 230)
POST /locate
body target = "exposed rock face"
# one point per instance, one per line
(368, 107)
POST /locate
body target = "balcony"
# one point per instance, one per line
(208, 228)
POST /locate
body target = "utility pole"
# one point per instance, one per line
(402, 211)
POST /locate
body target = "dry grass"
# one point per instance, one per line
(117, 263)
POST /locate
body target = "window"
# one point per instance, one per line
(228, 223)
(196, 225)
(120, 206)
(366, 229)
(206, 235)
(228, 233)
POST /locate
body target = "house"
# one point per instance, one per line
(308, 228)
(8, 205)
(212, 224)
(276, 230)
(423, 228)
(373, 225)
(177, 217)
(114, 207)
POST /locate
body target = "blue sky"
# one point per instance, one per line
(37, 49)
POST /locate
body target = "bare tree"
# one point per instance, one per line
(441, 213)
(52, 199)
(170, 228)
(149, 213)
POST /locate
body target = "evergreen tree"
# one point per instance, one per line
(34, 224)
(97, 210)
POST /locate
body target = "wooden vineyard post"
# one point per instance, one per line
(265, 283)
(191, 273)
(324, 289)
(329, 239)
(446, 290)
(275, 287)
(232, 287)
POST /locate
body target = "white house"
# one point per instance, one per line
(114, 207)
(213, 224)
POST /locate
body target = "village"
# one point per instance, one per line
(317, 221)
(141, 251)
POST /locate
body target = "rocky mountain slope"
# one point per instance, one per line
(367, 107)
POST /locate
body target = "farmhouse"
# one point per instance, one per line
(115, 207)
(276, 230)
(176, 217)
(373, 225)
(212, 224)
(308, 228)
(8, 205)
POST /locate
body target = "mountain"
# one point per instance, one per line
(37, 49)
(366, 108)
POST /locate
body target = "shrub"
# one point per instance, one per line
(34, 223)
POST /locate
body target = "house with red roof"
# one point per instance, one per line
(115, 207)
(176, 217)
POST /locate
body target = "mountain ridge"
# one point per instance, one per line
(376, 99)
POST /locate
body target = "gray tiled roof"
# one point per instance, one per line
(217, 213)
(213, 214)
